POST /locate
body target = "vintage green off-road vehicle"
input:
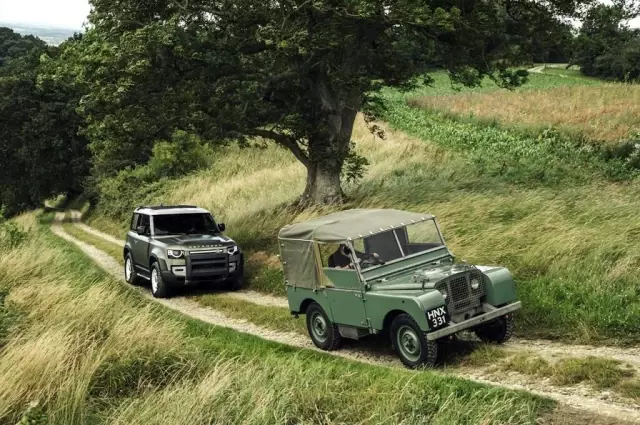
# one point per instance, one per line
(366, 271)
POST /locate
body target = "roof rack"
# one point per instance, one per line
(166, 207)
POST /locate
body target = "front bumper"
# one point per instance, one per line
(182, 273)
(491, 313)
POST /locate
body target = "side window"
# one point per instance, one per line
(144, 221)
(134, 221)
(326, 251)
(333, 256)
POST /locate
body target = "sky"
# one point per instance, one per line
(70, 14)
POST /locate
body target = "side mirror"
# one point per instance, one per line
(221, 227)
(141, 230)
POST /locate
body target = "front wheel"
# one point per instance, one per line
(159, 288)
(411, 344)
(498, 331)
(130, 275)
(235, 283)
(324, 334)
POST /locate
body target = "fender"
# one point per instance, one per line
(298, 297)
(499, 285)
(158, 254)
(126, 248)
(416, 307)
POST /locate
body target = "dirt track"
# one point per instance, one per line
(578, 404)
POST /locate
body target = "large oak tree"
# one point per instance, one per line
(293, 71)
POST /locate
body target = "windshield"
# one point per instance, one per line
(190, 224)
(401, 242)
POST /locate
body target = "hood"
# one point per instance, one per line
(196, 241)
(419, 281)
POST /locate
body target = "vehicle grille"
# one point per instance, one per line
(460, 296)
(207, 265)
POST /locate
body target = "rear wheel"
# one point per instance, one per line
(159, 288)
(130, 275)
(411, 344)
(498, 331)
(323, 332)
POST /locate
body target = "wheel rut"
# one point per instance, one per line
(577, 404)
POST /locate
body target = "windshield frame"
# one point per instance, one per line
(404, 256)
(214, 231)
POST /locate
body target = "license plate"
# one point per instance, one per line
(438, 317)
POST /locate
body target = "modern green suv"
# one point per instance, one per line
(180, 245)
(369, 271)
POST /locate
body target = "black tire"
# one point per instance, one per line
(497, 331)
(411, 344)
(235, 283)
(130, 275)
(323, 332)
(159, 288)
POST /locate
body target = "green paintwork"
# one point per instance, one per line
(343, 278)
(370, 297)
(499, 286)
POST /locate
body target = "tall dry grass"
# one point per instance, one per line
(70, 341)
(607, 112)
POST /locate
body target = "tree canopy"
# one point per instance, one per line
(41, 153)
(295, 71)
(606, 47)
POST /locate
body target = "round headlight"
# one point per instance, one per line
(232, 249)
(475, 284)
(174, 253)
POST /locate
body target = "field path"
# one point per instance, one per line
(536, 69)
(578, 404)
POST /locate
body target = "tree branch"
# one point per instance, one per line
(285, 141)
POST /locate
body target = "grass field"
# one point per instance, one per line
(607, 112)
(88, 350)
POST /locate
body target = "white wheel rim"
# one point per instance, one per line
(154, 281)
(127, 269)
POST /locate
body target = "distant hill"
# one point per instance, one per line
(49, 35)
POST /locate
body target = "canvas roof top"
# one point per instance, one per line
(350, 224)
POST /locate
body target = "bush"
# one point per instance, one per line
(11, 235)
(626, 152)
(34, 415)
(135, 186)
(183, 154)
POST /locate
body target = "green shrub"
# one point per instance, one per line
(183, 154)
(11, 235)
(34, 415)
(132, 187)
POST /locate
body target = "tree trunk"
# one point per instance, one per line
(323, 184)
(328, 149)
